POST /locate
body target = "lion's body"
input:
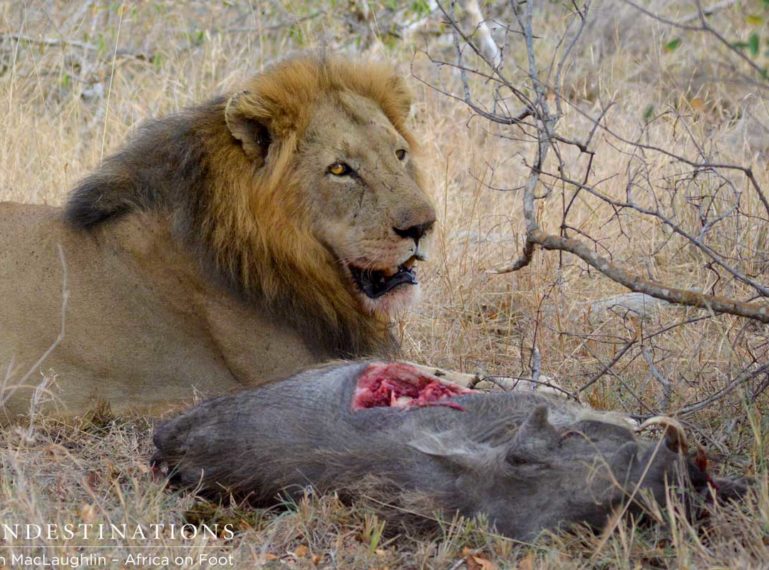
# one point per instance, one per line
(143, 327)
(224, 246)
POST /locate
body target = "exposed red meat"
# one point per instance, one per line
(701, 460)
(398, 385)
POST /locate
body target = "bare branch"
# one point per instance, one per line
(53, 42)
(713, 303)
(685, 189)
(488, 46)
(608, 367)
(741, 379)
(701, 14)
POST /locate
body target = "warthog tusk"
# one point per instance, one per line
(675, 435)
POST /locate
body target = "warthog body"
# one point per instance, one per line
(525, 460)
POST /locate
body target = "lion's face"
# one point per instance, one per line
(300, 191)
(360, 183)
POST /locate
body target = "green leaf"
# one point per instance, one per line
(648, 113)
(296, 34)
(672, 45)
(754, 20)
(101, 45)
(753, 43)
(421, 7)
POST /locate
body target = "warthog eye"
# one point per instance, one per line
(525, 460)
(514, 459)
(339, 169)
(400, 153)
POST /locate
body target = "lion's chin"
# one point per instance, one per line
(395, 301)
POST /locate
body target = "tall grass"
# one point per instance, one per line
(70, 88)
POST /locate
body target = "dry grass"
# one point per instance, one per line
(63, 106)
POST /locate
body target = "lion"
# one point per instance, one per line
(230, 244)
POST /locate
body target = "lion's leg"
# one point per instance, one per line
(462, 378)
(545, 384)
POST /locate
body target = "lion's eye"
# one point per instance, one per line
(339, 169)
(400, 153)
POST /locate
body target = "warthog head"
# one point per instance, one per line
(527, 461)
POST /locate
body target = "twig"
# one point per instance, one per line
(512, 383)
(745, 376)
(707, 184)
(676, 228)
(704, 26)
(121, 10)
(536, 364)
(709, 11)
(48, 41)
(53, 42)
(458, 34)
(667, 386)
(278, 25)
(714, 303)
(608, 366)
(488, 46)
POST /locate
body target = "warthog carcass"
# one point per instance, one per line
(527, 461)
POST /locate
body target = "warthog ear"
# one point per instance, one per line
(245, 124)
(456, 449)
(536, 432)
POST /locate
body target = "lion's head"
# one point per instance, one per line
(302, 189)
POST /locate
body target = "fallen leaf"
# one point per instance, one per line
(697, 103)
(478, 562)
(527, 562)
(301, 551)
(92, 480)
(88, 513)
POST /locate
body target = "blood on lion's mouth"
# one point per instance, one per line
(376, 282)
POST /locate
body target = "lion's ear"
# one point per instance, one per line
(246, 127)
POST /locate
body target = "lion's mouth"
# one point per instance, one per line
(377, 282)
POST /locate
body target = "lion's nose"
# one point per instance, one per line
(415, 232)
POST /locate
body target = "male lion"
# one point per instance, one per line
(223, 246)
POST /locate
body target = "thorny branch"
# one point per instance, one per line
(541, 106)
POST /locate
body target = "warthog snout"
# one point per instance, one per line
(525, 460)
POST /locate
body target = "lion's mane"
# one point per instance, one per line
(241, 212)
